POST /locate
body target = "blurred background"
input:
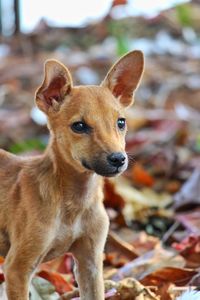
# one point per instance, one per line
(157, 200)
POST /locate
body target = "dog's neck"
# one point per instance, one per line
(66, 174)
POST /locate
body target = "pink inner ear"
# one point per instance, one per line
(124, 84)
(118, 89)
(53, 91)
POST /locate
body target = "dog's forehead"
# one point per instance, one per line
(94, 98)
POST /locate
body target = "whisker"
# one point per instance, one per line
(131, 157)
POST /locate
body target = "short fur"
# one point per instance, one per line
(52, 203)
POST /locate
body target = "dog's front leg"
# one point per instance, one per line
(19, 267)
(89, 271)
(88, 254)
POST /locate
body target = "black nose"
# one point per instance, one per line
(116, 159)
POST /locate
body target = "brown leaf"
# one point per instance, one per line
(129, 289)
(189, 248)
(177, 276)
(141, 176)
(1, 260)
(62, 264)
(116, 243)
(190, 192)
(144, 242)
(148, 263)
(111, 197)
(163, 291)
(61, 285)
(119, 2)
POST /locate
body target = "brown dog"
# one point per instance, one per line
(52, 203)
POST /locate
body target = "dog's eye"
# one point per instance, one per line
(80, 127)
(121, 123)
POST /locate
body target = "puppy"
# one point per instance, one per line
(52, 203)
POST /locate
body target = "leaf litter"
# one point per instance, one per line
(153, 248)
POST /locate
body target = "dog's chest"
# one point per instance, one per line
(69, 231)
(64, 235)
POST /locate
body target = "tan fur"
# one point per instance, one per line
(51, 204)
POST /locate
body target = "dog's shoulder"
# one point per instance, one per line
(5, 155)
(8, 159)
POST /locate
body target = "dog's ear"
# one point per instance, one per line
(124, 77)
(56, 85)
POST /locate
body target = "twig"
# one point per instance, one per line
(169, 232)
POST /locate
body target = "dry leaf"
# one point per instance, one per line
(148, 263)
(140, 176)
(178, 276)
(137, 202)
(60, 284)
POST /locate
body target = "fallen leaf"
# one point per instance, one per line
(114, 242)
(177, 276)
(1, 260)
(62, 264)
(149, 262)
(190, 221)
(140, 176)
(41, 289)
(189, 248)
(70, 295)
(60, 284)
(111, 197)
(119, 2)
(130, 288)
(173, 186)
(163, 291)
(144, 242)
(137, 202)
(189, 192)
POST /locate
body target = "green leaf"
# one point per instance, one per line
(122, 45)
(184, 15)
(27, 145)
(119, 32)
(197, 144)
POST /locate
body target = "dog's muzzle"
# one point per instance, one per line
(111, 165)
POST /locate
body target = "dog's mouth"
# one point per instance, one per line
(86, 165)
(110, 174)
(104, 169)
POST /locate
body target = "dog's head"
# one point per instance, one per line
(88, 122)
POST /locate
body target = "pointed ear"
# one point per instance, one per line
(56, 85)
(124, 77)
